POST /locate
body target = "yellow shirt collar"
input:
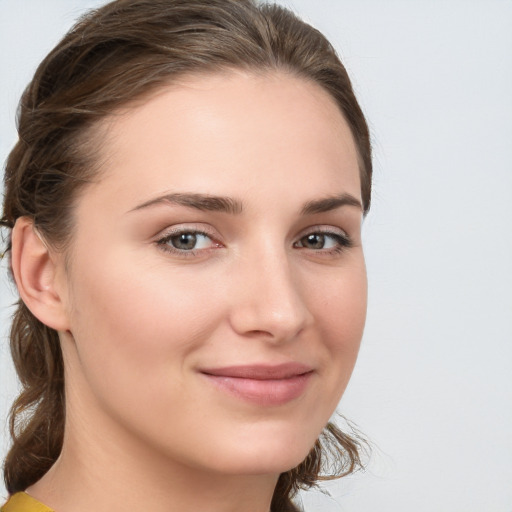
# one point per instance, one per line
(22, 502)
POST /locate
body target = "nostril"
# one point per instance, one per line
(259, 334)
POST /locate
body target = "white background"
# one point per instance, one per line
(433, 385)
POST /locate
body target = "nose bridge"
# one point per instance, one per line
(268, 299)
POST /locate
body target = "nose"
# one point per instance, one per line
(267, 301)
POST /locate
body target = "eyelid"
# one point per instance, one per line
(188, 227)
(324, 229)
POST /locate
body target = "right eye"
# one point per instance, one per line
(186, 242)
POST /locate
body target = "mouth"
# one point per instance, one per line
(263, 385)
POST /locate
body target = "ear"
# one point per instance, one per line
(36, 271)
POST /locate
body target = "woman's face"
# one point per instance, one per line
(216, 291)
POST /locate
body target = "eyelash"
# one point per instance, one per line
(341, 240)
(163, 242)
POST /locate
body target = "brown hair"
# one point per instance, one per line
(110, 57)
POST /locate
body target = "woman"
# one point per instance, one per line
(184, 206)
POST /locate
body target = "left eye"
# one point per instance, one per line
(323, 241)
(188, 241)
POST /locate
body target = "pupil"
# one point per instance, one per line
(316, 241)
(184, 241)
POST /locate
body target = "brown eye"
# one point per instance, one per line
(323, 241)
(313, 241)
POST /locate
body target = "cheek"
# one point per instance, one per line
(138, 325)
(339, 300)
(340, 312)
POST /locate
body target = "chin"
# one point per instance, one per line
(262, 463)
(264, 451)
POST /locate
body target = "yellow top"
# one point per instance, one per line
(22, 502)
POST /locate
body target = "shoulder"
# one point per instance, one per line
(22, 502)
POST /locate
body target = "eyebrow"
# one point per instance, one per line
(206, 202)
(203, 202)
(330, 203)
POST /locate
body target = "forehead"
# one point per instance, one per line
(227, 132)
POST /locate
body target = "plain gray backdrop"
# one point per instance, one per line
(433, 385)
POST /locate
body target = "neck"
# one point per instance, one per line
(103, 468)
(105, 479)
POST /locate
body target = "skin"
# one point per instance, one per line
(138, 323)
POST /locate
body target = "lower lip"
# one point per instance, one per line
(269, 392)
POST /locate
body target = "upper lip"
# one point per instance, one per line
(260, 371)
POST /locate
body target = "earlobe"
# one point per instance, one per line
(35, 273)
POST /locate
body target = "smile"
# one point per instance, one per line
(263, 385)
